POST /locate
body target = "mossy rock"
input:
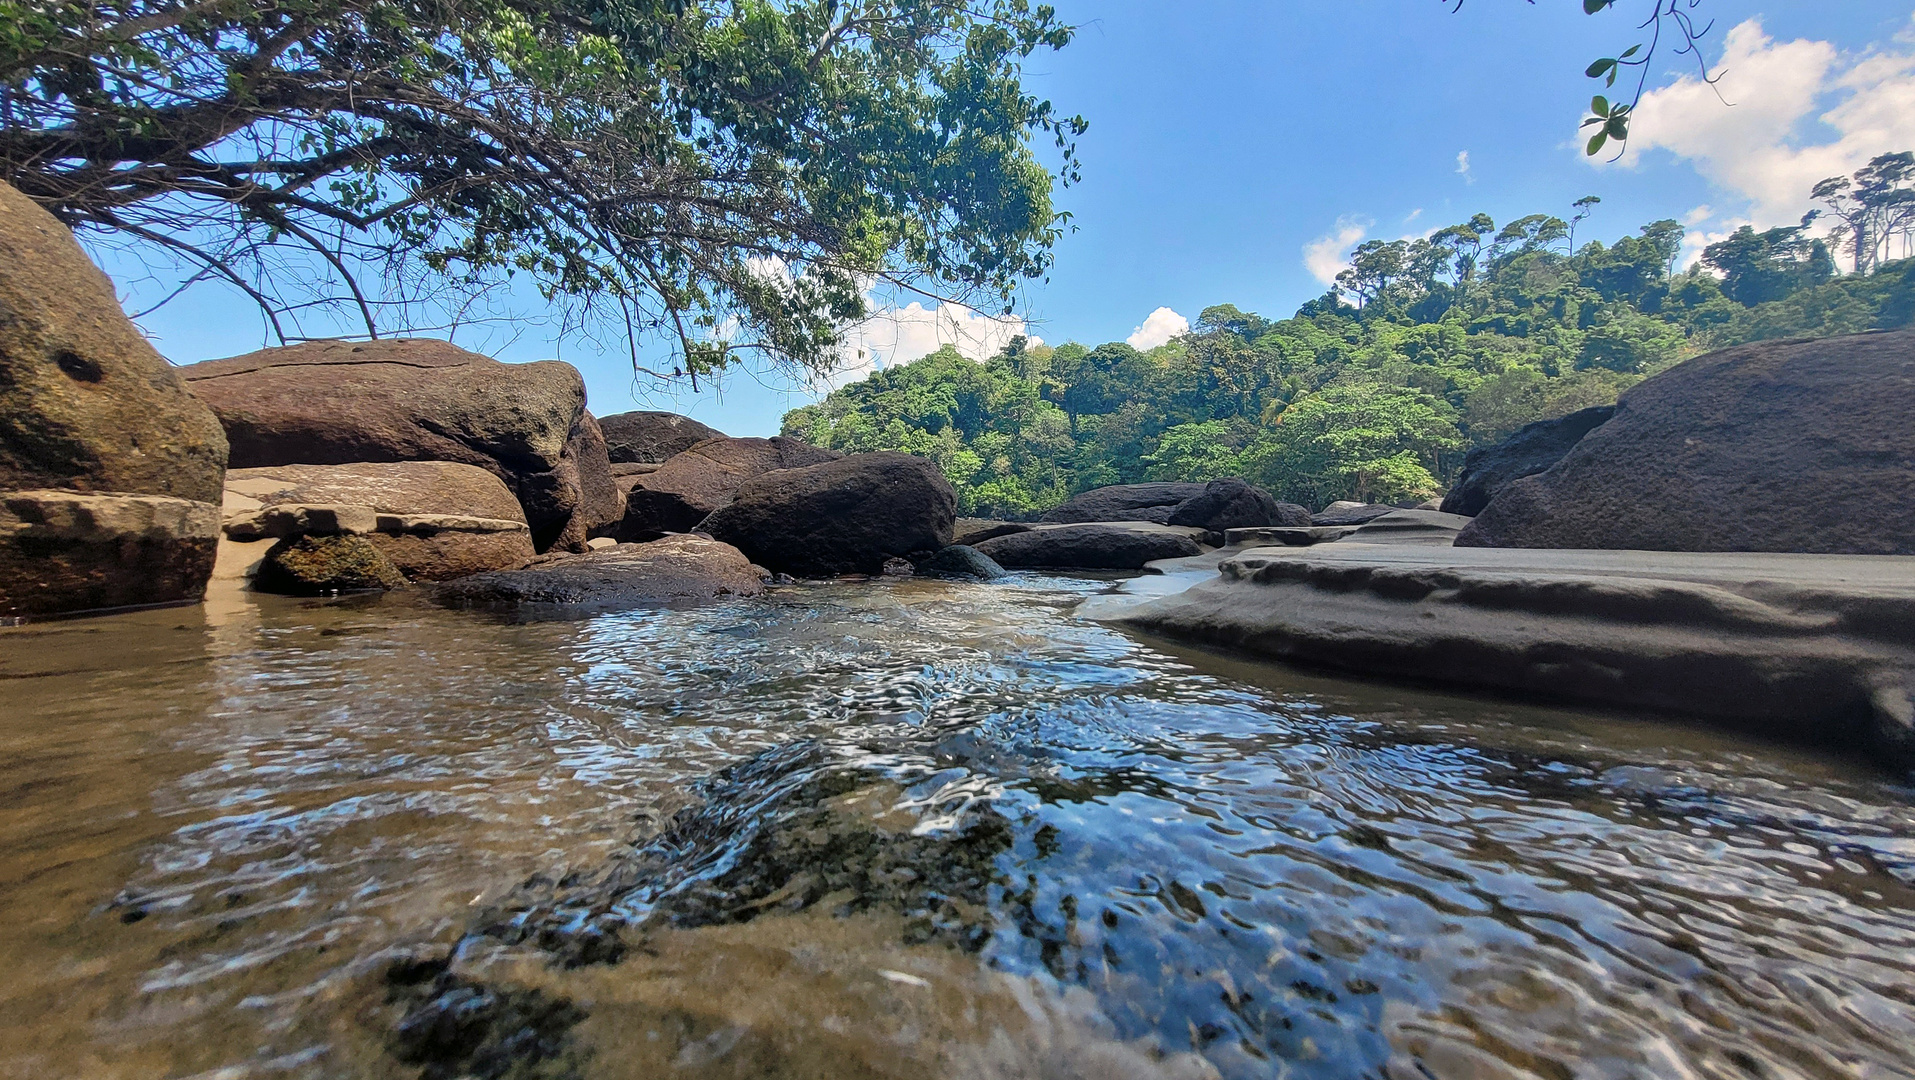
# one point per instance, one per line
(318, 565)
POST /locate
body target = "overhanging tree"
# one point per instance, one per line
(731, 176)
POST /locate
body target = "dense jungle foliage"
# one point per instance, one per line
(1376, 390)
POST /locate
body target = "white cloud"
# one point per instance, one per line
(1159, 326)
(1329, 255)
(1462, 166)
(899, 335)
(1755, 148)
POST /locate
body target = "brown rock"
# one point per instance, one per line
(85, 402)
(392, 487)
(1778, 446)
(407, 399)
(601, 500)
(676, 570)
(686, 489)
(63, 551)
(652, 437)
(318, 565)
(433, 520)
(850, 516)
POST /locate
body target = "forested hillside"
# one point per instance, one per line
(1374, 391)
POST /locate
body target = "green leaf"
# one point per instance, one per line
(1599, 105)
(1617, 128)
(1596, 141)
(1596, 70)
(1630, 51)
(1590, 7)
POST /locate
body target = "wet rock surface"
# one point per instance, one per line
(848, 516)
(652, 437)
(675, 570)
(1533, 448)
(63, 552)
(1777, 446)
(686, 489)
(1093, 546)
(400, 399)
(1815, 649)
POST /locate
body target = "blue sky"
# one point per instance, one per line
(1237, 149)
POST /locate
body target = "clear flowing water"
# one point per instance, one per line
(898, 829)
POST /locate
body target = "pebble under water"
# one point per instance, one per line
(898, 829)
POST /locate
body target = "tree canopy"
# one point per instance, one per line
(1375, 390)
(730, 175)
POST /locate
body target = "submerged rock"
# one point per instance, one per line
(652, 437)
(848, 516)
(688, 488)
(401, 399)
(68, 551)
(1819, 649)
(679, 569)
(1777, 446)
(1532, 449)
(1118, 545)
(323, 564)
(960, 561)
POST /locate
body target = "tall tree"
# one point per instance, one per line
(727, 174)
(1874, 206)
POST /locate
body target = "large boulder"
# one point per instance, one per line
(1093, 546)
(409, 399)
(69, 551)
(969, 532)
(601, 499)
(85, 402)
(1532, 449)
(685, 490)
(676, 570)
(109, 469)
(1125, 502)
(1234, 504)
(433, 520)
(845, 516)
(651, 438)
(1778, 446)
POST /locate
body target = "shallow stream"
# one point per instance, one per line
(909, 829)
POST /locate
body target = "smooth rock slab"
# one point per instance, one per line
(63, 552)
(1818, 649)
(676, 570)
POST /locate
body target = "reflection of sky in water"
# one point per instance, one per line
(1285, 872)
